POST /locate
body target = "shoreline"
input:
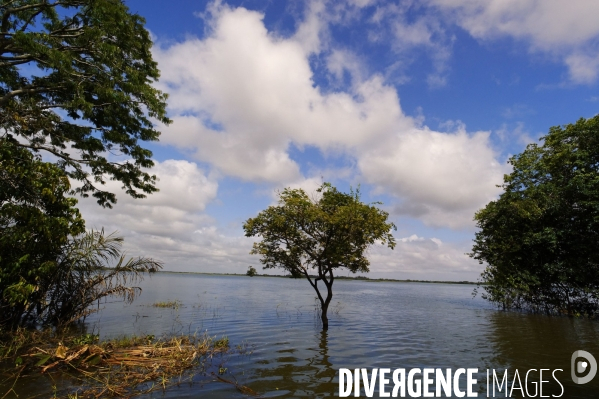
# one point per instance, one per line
(359, 278)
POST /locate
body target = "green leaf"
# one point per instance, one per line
(93, 359)
(43, 360)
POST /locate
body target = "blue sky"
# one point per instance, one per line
(420, 103)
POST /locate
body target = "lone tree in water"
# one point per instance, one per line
(304, 235)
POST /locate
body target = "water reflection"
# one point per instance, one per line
(524, 342)
(292, 376)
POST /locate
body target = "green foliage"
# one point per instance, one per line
(301, 233)
(251, 271)
(87, 268)
(221, 343)
(540, 238)
(304, 235)
(86, 339)
(167, 304)
(76, 82)
(90, 267)
(36, 220)
(51, 271)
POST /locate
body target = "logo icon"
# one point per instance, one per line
(579, 366)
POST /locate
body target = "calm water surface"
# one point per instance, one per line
(372, 324)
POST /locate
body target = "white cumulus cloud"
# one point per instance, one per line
(421, 258)
(440, 178)
(241, 96)
(164, 224)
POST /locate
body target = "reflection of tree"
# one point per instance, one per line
(524, 342)
(311, 377)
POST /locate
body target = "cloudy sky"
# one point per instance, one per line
(420, 103)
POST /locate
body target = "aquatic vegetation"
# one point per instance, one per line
(168, 304)
(222, 343)
(122, 367)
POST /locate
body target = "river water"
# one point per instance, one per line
(372, 325)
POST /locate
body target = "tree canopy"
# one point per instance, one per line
(251, 271)
(313, 237)
(76, 82)
(539, 240)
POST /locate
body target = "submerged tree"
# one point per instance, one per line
(76, 82)
(312, 238)
(540, 238)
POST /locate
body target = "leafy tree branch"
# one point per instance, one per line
(81, 60)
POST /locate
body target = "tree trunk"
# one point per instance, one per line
(325, 307)
(323, 317)
(324, 303)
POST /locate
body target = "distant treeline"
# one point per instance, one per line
(364, 278)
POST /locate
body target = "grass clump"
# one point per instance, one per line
(167, 304)
(222, 343)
